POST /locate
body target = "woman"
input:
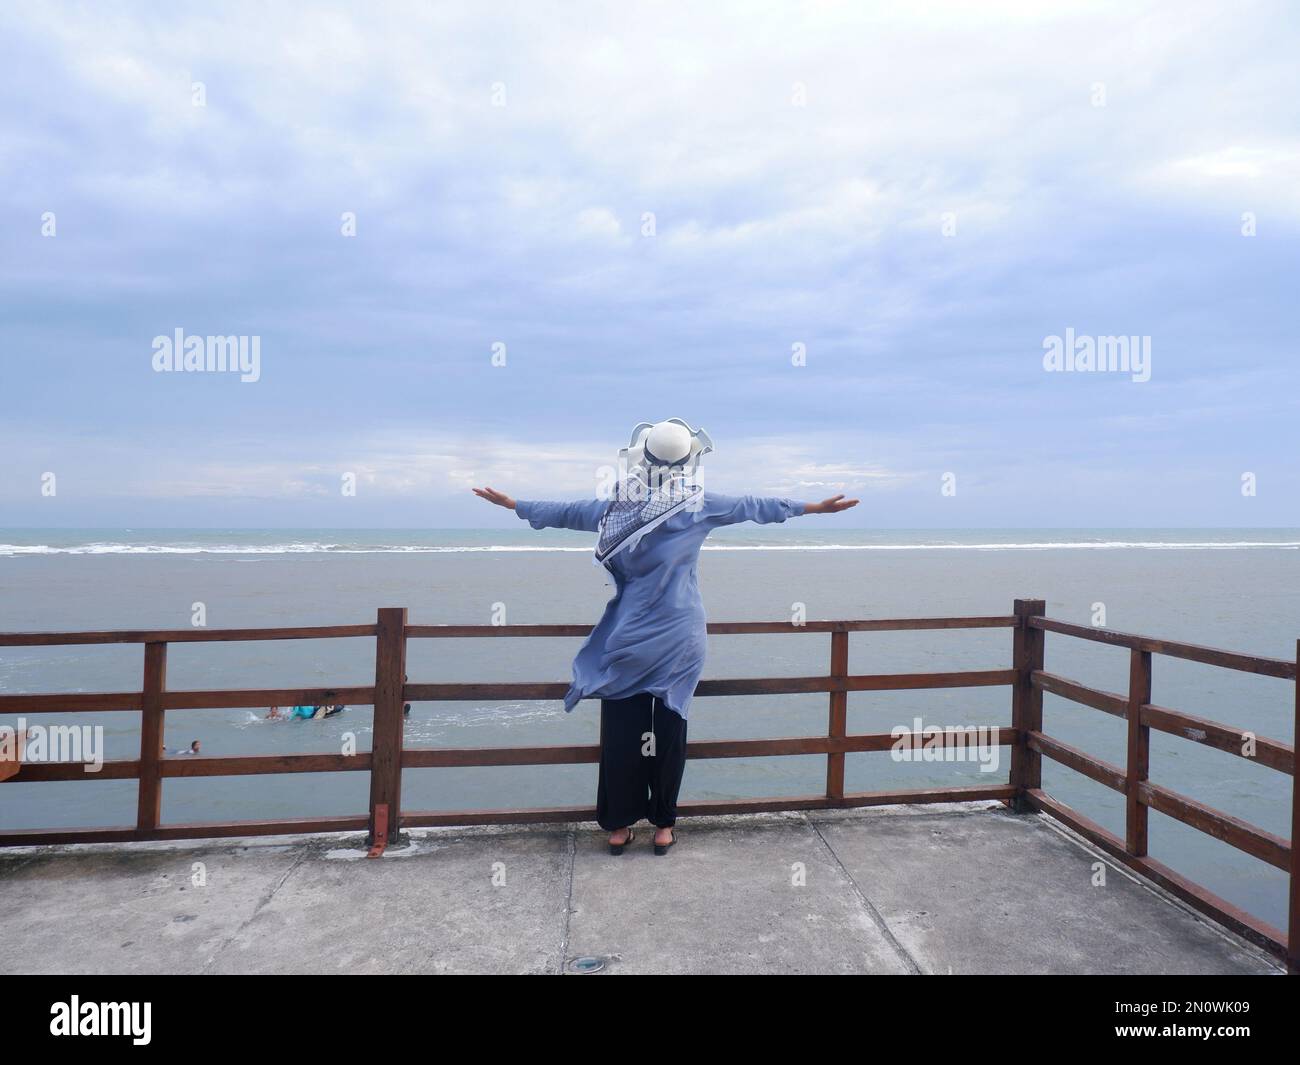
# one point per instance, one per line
(644, 657)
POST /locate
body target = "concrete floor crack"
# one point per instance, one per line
(261, 905)
(572, 838)
(877, 918)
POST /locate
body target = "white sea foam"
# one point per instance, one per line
(268, 549)
(12, 550)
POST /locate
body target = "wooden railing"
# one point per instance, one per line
(389, 756)
(1132, 779)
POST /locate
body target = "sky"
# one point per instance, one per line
(477, 243)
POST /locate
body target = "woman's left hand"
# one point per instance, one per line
(830, 506)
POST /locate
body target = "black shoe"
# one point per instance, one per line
(617, 848)
(662, 848)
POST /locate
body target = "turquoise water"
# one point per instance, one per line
(1233, 588)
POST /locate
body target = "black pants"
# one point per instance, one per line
(635, 784)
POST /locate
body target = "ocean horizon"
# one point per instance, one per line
(308, 540)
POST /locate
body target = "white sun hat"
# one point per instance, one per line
(671, 444)
(654, 487)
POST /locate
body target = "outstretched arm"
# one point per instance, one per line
(728, 510)
(584, 515)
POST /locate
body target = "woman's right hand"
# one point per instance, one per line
(493, 496)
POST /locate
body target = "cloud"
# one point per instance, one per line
(799, 160)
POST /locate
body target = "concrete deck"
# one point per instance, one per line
(955, 889)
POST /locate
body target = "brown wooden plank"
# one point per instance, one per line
(525, 690)
(775, 747)
(742, 628)
(1004, 621)
(389, 722)
(1231, 830)
(455, 632)
(149, 809)
(28, 837)
(928, 796)
(1109, 702)
(851, 800)
(70, 702)
(292, 826)
(429, 758)
(261, 697)
(953, 737)
(838, 720)
(534, 816)
(715, 807)
(420, 693)
(1272, 753)
(48, 837)
(1210, 656)
(766, 686)
(449, 757)
(446, 757)
(719, 628)
(1026, 699)
(1138, 758)
(872, 682)
(192, 635)
(118, 769)
(258, 764)
(1096, 768)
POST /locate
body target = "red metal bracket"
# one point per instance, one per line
(380, 838)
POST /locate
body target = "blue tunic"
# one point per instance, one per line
(652, 635)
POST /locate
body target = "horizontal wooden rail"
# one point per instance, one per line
(1273, 753)
(1101, 771)
(323, 632)
(444, 757)
(1105, 701)
(712, 808)
(31, 837)
(231, 698)
(249, 697)
(741, 686)
(1231, 830)
(117, 769)
(70, 702)
(718, 628)
(1210, 656)
(257, 764)
(416, 819)
(183, 766)
(57, 639)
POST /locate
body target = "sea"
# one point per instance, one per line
(1237, 589)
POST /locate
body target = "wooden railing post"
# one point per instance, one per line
(1293, 925)
(386, 750)
(149, 810)
(839, 713)
(1139, 751)
(1026, 700)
